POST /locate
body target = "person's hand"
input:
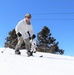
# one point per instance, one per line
(33, 36)
(19, 34)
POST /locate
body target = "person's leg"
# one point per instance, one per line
(27, 44)
(33, 46)
(20, 41)
(28, 47)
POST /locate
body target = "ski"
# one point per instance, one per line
(27, 55)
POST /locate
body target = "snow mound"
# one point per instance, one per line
(49, 64)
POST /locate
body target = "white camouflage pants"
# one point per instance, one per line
(20, 41)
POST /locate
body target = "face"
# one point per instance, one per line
(28, 18)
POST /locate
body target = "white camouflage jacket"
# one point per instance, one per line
(22, 27)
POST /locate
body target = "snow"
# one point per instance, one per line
(49, 64)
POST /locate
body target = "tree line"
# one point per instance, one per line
(45, 42)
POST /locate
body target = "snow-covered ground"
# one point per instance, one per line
(49, 64)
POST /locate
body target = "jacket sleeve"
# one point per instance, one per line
(17, 28)
(31, 30)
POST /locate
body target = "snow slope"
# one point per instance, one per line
(49, 64)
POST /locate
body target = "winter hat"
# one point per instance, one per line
(28, 15)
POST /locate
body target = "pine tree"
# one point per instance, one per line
(12, 40)
(46, 43)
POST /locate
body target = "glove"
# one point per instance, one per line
(33, 36)
(19, 34)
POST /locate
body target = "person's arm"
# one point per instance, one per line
(30, 32)
(17, 29)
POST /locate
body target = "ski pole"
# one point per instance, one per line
(3, 50)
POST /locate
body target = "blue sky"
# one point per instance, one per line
(58, 15)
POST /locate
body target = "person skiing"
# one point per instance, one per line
(24, 31)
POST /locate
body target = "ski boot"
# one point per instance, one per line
(29, 53)
(17, 52)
